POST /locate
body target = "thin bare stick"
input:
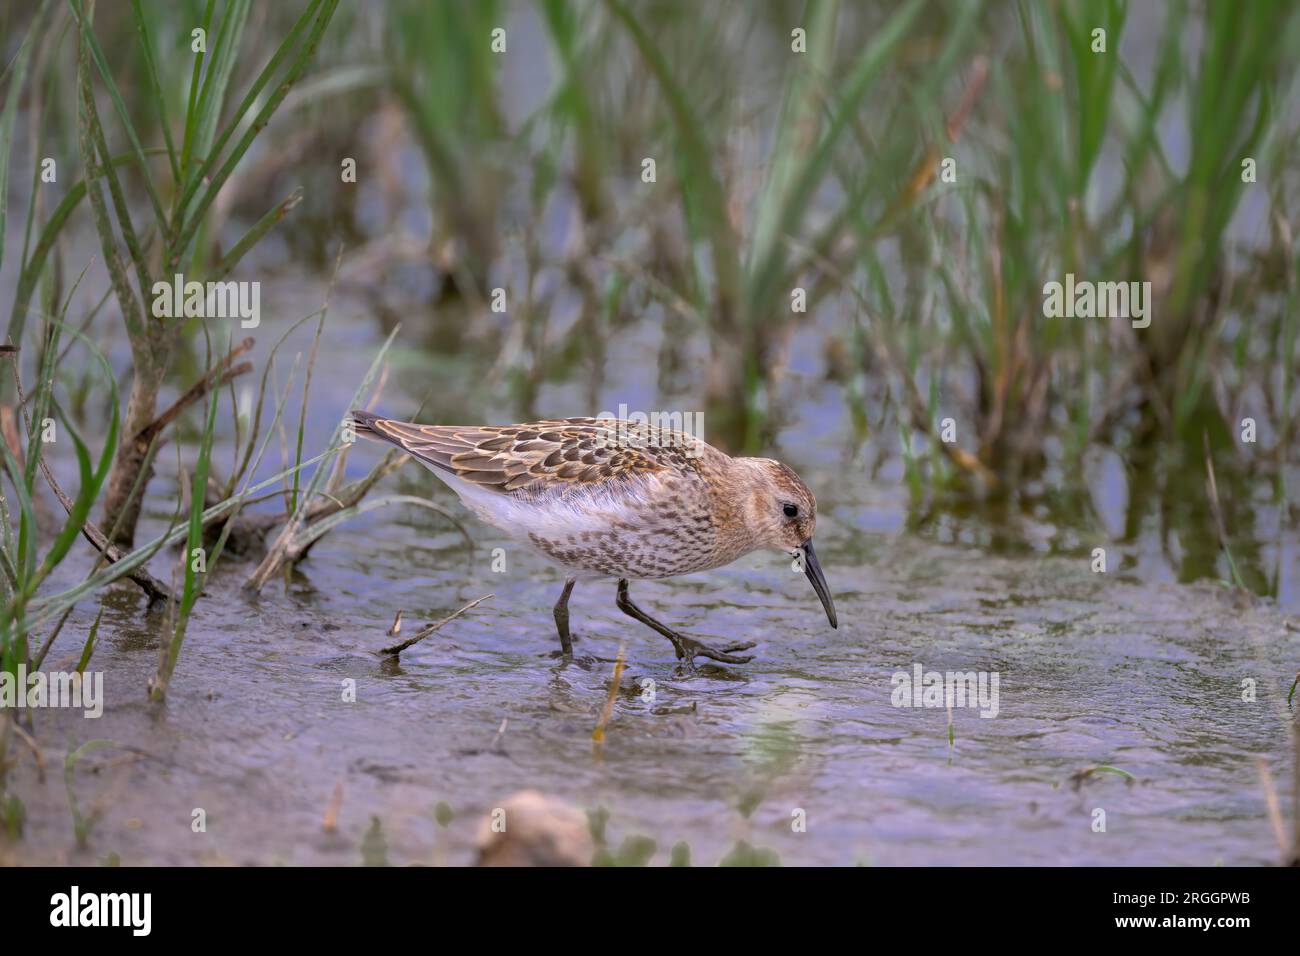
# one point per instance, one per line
(427, 631)
(215, 377)
(1273, 805)
(330, 822)
(598, 735)
(501, 732)
(36, 751)
(111, 552)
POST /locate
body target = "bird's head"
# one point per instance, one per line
(782, 515)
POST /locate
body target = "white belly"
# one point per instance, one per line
(594, 535)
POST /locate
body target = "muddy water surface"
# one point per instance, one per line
(1121, 670)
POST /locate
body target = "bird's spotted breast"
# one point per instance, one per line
(652, 548)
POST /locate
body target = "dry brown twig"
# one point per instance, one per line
(427, 631)
(598, 735)
(9, 420)
(297, 535)
(330, 823)
(36, 750)
(132, 453)
(215, 377)
(151, 586)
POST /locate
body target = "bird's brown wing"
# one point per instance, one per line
(538, 456)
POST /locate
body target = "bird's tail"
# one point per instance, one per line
(362, 422)
(413, 439)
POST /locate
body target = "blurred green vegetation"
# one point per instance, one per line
(918, 170)
(892, 182)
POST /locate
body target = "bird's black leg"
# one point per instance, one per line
(562, 617)
(687, 648)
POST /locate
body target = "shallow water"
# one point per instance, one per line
(1117, 669)
(1146, 679)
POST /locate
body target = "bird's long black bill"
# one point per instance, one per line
(812, 567)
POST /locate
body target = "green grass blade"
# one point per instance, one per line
(155, 86)
(213, 181)
(192, 113)
(88, 37)
(765, 276)
(48, 607)
(89, 135)
(17, 77)
(45, 245)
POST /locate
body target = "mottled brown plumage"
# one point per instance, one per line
(538, 455)
(611, 498)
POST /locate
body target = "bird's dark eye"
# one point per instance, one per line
(791, 511)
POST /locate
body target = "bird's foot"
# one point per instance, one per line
(583, 660)
(688, 649)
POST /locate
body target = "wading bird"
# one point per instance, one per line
(610, 498)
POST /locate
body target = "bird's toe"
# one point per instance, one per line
(695, 649)
(742, 646)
